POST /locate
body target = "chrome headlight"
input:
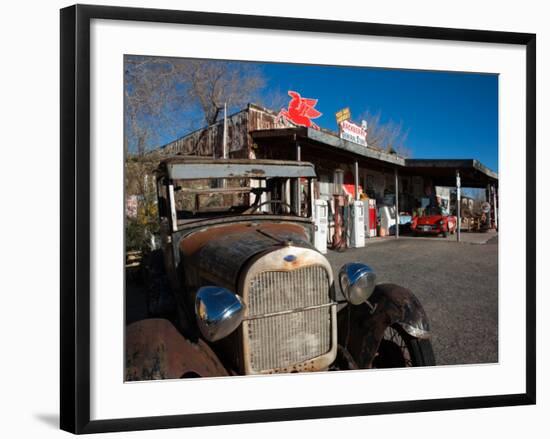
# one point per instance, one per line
(219, 312)
(357, 282)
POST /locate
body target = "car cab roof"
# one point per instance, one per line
(188, 168)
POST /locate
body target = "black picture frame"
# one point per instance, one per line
(75, 217)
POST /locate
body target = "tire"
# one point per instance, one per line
(399, 349)
(445, 234)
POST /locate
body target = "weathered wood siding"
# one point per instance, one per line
(209, 141)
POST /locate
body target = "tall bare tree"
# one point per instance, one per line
(150, 92)
(168, 96)
(215, 83)
(164, 98)
(387, 136)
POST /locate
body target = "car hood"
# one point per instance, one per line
(217, 254)
(430, 219)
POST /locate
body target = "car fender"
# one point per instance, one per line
(362, 327)
(156, 350)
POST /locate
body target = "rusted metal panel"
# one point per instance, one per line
(217, 254)
(283, 231)
(156, 350)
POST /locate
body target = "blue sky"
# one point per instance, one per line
(447, 115)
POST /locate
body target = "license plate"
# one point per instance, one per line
(426, 228)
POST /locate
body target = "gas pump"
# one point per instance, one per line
(358, 224)
(321, 225)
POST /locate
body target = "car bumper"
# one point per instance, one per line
(429, 230)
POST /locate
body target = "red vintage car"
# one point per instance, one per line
(434, 222)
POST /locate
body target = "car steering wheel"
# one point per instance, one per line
(279, 202)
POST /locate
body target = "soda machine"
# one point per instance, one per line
(371, 219)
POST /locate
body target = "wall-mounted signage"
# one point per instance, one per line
(343, 115)
(354, 133)
(300, 111)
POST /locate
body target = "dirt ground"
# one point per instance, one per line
(457, 284)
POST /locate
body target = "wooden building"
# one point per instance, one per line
(256, 132)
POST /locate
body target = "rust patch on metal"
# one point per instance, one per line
(257, 171)
(156, 350)
(194, 242)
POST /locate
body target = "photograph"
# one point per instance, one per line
(275, 219)
(289, 218)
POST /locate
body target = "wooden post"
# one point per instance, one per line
(458, 220)
(495, 211)
(225, 130)
(396, 203)
(173, 212)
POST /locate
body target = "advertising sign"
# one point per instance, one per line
(354, 133)
(300, 111)
(343, 115)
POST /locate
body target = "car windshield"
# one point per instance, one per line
(214, 197)
(433, 210)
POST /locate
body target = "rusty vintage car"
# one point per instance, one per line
(249, 292)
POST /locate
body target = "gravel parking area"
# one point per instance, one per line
(457, 284)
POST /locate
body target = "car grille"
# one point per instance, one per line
(280, 341)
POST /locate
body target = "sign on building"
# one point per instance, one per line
(343, 115)
(354, 133)
(300, 111)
